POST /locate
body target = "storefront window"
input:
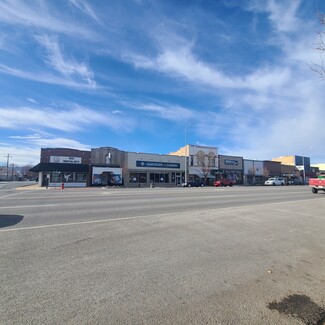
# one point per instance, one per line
(67, 177)
(142, 178)
(138, 178)
(55, 177)
(200, 158)
(192, 160)
(160, 178)
(212, 159)
(80, 177)
(134, 177)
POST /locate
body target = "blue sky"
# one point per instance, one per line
(133, 74)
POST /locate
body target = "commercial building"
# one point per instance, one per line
(108, 166)
(301, 162)
(254, 172)
(63, 165)
(230, 167)
(144, 169)
(201, 162)
(321, 167)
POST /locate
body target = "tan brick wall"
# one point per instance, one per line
(285, 160)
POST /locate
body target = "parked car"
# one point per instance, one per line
(294, 181)
(275, 181)
(193, 184)
(223, 182)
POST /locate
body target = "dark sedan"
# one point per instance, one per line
(193, 184)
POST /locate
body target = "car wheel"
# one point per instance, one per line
(314, 190)
(273, 184)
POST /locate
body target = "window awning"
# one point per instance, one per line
(51, 167)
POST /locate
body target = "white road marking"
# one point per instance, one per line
(30, 206)
(74, 223)
(141, 217)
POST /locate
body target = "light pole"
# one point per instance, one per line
(185, 151)
(303, 171)
(8, 156)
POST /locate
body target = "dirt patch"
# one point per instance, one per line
(301, 307)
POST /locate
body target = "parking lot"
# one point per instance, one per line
(161, 256)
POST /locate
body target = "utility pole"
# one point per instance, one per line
(186, 153)
(8, 156)
(12, 171)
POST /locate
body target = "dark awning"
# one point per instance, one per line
(51, 167)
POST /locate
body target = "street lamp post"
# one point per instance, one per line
(8, 156)
(185, 151)
(303, 171)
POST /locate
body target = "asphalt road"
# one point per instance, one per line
(160, 256)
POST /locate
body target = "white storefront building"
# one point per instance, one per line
(202, 162)
(144, 169)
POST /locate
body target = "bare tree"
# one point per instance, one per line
(319, 68)
(26, 173)
(266, 172)
(206, 165)
(206, 171)
(251, 175)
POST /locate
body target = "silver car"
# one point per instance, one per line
(275, 181)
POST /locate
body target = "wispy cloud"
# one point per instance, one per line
(85, 7)
(183, 64)
(69, 120)
(32, 100)
(37, 14)
(26, 151)
(59, 143)
(282, 14)
(174, 113)
(26, 137)
(20, 154)
(45, 78)
(68, 68)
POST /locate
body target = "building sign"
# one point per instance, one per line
(157, 164)
(231, 162)
(65, 160)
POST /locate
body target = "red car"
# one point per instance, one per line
(223, 182)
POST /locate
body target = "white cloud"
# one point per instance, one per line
(38, 15)
(26, 137)
(59, 143)
(282, 14)
(69, 120)
(20, 155)
(85, 8)
(27, 151)
(183, 64)
(45, 78)
(174, 113)
(32, 100)
(68, 68)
